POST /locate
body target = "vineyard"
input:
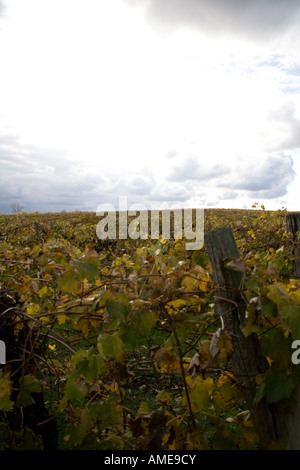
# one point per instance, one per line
(116, 344)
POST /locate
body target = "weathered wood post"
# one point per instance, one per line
(293, 226)
(247, 359)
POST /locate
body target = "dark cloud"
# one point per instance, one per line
(46, 180)
(194, 168)
(255, 18)
(266, 177)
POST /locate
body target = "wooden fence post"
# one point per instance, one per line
(293, 226)
(247, 359)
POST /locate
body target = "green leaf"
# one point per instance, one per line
(144, 322)
(75, 435)
(87, 269)
(278, 386)
(289, 312)
(111, 345)
(28, 385)
(128, 335)
(268, 307)
(291, 316)
(118, 312)
(69, 282)
(200, 259)
(91, 367)
(278, 348)
(78, 356)
(109, 413)
(75, 391)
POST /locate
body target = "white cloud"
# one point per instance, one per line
(282, 130)
(197, 168)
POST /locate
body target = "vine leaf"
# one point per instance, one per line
(200, 391)
(278, 386)
(69, 282)
(28, 385)
(5, 390)
(111, 345)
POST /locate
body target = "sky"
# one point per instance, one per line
(170, 103)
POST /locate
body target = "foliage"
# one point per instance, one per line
(134, 356)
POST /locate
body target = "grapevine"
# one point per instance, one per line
(117, 344)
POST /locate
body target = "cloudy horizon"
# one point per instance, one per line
(173, 103)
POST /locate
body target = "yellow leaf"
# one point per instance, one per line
(228, 377)
(197, 278)
(5, 392)
(83, 325)
(259, 379)
(33, 309)
(95, 323)
(111, 388)
(42, 291)
(200, 391)
(173, 306)
(189, 283)
(62, 319)
(196, 440)
(164, 397)
(225, 397)
(180, 436)
(166, 361)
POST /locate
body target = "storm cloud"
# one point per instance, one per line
(254, 18)
(40, 178)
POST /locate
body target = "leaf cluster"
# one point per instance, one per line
(134, 355)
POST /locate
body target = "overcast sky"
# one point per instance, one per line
(172, 103)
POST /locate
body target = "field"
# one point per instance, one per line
(114, 344)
